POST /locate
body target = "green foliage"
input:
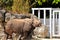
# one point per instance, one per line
(40, 1)
(44, 0)
(22, 6)
(6, 4)
(1, 2)
(9, 2)
(55, 1)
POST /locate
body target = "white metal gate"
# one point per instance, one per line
(54, 15)
(56, 23)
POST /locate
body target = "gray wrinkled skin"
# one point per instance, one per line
(21, 26)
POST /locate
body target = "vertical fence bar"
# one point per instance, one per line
(50, 25)
(32, 11)
(44, 16)
(38, 14)
(59, 22)
(53, 22)
(56, 18)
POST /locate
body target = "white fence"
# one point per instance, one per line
(54, 20)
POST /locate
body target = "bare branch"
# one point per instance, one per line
(33, 4)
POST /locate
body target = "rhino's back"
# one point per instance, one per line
(18, 25)
(15, 25)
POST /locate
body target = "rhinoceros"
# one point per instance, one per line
(21, 26)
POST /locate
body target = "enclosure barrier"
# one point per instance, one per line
(54, 17)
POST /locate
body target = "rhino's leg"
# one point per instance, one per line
(21, 37)
(9, 34)
(25, 35)
(16, 37)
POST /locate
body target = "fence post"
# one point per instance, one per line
(59, 22)
(38, 14)
(50, 25)
(44, 16)
(32, 11)
(53, 22)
